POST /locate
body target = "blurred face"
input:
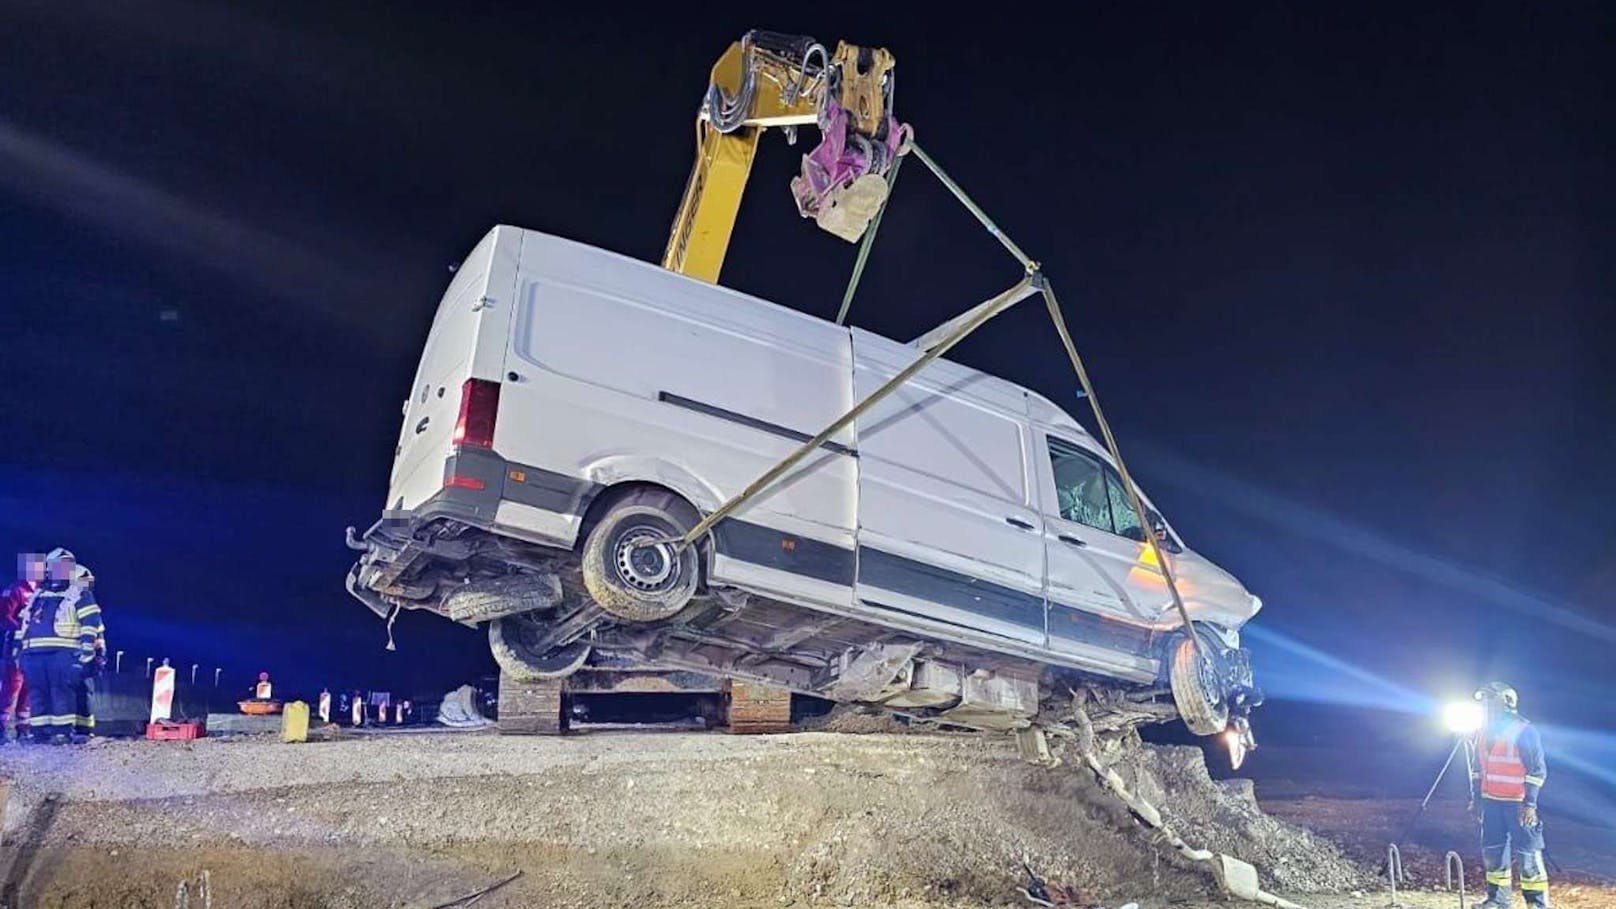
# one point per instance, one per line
(1496, 708)
(31, 566)
(62, 570)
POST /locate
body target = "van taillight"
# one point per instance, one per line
(479, 404)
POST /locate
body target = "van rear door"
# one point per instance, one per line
(450, 357)
(946, 531)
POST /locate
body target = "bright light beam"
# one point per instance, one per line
(1464, 717)
(1305, 673)
(1239, 495)
(60, 178)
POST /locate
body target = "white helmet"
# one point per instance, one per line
(1499, 691)
(58, 554)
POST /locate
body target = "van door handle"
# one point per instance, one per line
(1068, 538)
(421, 426)
(1018, 523)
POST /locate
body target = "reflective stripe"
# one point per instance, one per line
(81, 720)
(1535, 884)
(48, 720)
(1501, 878)
(1505, 778)
(49, 642)
(85, 611)
(1534, 780)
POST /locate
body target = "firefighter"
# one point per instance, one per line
(60, 627)
(1507, 774)
(83, 713)
(13, 684)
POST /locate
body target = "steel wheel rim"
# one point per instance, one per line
(645, 568)
(1210, 681)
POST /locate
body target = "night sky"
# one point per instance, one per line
(1343, 277)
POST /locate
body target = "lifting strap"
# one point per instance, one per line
(939, 341)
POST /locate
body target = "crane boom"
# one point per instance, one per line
(770, 80)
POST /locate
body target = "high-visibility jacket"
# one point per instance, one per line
(64, 618)
(1509, 761)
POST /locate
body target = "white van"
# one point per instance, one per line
(964, 551)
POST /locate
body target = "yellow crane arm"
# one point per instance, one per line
(768, 80)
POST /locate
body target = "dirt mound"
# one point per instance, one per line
(1224, 817)
(850, 719)
(633, 819)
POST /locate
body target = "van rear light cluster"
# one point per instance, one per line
(479, 405)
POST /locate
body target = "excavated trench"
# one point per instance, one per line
(606, 819)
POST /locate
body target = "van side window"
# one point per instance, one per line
(1080, 486)
(1127, 520)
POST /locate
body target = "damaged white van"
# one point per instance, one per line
(962, 552)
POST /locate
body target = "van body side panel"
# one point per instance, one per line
(946, 526)
(627, 372)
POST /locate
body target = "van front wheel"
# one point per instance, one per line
(627, 571)
(1198, 690)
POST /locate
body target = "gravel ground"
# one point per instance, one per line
(620, 819)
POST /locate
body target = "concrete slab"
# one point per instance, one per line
(243, 724)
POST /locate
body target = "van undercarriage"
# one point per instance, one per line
(545, 624)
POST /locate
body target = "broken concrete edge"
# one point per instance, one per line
(1236, 878)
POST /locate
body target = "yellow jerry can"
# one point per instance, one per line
(295, 722)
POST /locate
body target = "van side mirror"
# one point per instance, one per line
(1159, 527)
(1163, 538)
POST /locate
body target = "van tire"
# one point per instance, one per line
(492, 598)
(648, 584)
(506, 641)
(1198, 690)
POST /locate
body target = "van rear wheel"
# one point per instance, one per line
(1198, 690)
(512, 641)
(631, 575)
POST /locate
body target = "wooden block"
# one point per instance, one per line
(758, 709)
(531, 708)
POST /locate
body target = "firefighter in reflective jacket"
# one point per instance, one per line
(1506, 776)
(60, 627)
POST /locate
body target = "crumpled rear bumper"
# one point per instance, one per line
(364, 594)
(393, 546)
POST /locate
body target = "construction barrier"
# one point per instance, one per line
(122, 702)
(162, 700)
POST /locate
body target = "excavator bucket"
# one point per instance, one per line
(842, 185)
(847, 213)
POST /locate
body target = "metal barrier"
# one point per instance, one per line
(1394, 871)
(204, 892)
(1449, 864)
